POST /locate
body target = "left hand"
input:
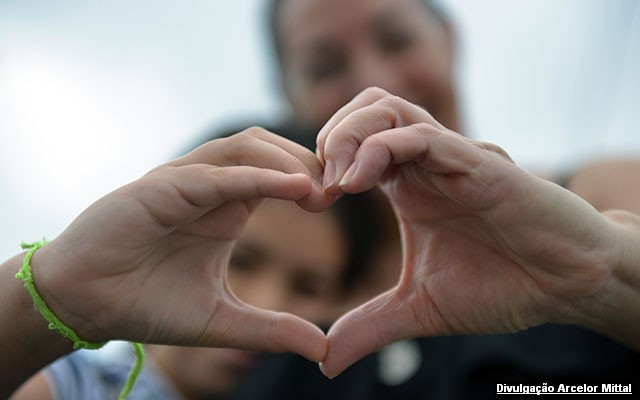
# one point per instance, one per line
(148, 262)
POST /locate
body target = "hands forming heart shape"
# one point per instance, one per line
(487, 247)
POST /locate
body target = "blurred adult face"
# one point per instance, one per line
(286, 260)
(333, 49)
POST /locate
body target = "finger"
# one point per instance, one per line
(367, 329)
(261, 148)
(431, 148)
(316, 200)
(276, 332)
(254, 147)
(178, 195)
(364, 98)
(343, 141)
(307, 157)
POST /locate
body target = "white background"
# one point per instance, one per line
(95, 93)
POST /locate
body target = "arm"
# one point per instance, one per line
(615, 312)
(25, 342)
(611, 186)
(147, 262)
(37, 387)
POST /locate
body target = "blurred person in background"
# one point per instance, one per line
(118, 271)
(328, 51)
(444, 112)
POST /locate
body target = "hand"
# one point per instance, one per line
(488, 248)
(148, 262)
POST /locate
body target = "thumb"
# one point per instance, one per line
(275, 332)
(367, 329)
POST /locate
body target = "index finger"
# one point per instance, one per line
(255, 147)
(362, 120)
(260, 148)
(364, 98)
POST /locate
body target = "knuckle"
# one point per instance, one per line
(244, 136)
(293, 163)
(205, 173)
(158, 170)
(374, 92)
(494, 148)
(426, 127)
(392, 107)
(254, 130)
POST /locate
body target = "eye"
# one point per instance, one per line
(324, 70)
(326, 66)
(395, 41)
(242, 261)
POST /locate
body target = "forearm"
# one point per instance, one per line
(26, 344)
(615, 311)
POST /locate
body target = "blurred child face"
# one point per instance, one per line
(333, 49)
(290, 260)
(286, 260)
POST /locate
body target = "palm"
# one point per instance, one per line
(153, 255)
(458, 284)
(169, 273)
(474, 263)
(461, 275)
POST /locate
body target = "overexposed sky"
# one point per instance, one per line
(95, 93)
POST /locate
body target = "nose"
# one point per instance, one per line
(371, 68)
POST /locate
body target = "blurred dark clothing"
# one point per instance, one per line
(453, 367)
(457, 367)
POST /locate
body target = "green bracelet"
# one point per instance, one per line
(25, 274)
(55, 324)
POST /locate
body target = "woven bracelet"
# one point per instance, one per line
(26, 275)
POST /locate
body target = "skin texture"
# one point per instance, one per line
(481, 237)
(296, 269)
(487, 247)
(202, 245)
(152, 258)
(331, 50)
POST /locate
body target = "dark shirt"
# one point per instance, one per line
(453, 367)
(456, 367)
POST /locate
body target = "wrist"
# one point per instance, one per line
(615, 310)
(26, 343)
(55, 280)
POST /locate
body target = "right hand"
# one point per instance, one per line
(488, 248)
(148, 262)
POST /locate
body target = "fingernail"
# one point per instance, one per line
(351, 172)
(323, 371)
(329, 174)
